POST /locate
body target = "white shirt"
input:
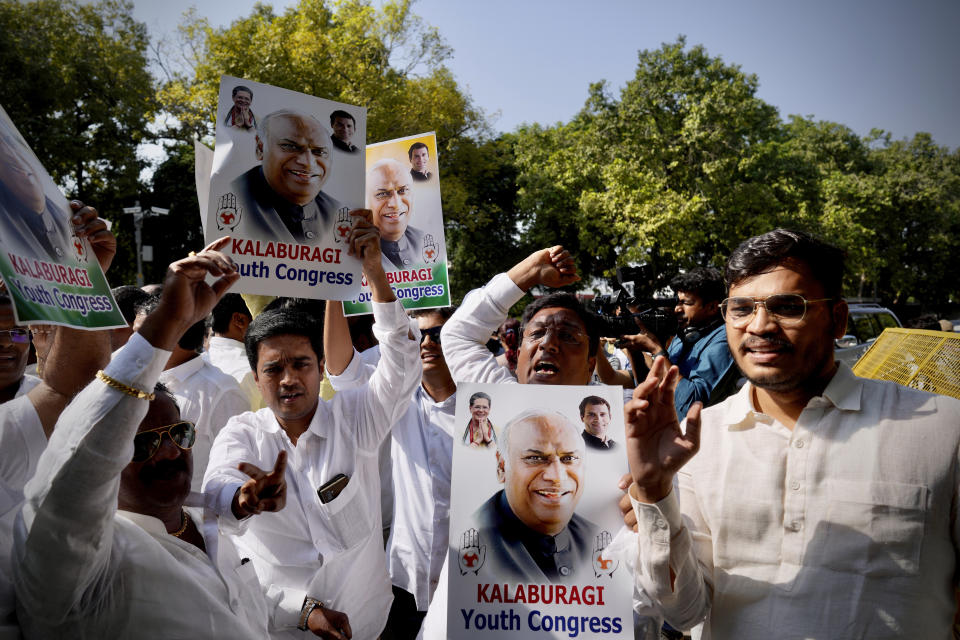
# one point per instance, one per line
(207, 397)
(464, 336)
(121, 576)
(22, 440)
(333, 551)
(844, 527)
(228, 355)
(421, 453)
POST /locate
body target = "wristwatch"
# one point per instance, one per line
(309, 604)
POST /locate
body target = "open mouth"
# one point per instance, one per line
(765, 351)
(303, 176)
(287, 398)
(552, 495)
(546, 369)
(395, 216)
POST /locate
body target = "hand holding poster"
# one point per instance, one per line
(403, 191)
(534, 512)
(51, 274)
(282, 187)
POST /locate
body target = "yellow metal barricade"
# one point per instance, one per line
(927, 360)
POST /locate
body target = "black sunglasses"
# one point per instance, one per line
(433, 332)
(146, 443)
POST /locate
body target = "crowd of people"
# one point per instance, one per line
(281, 481)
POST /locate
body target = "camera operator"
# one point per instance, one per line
(699, 348)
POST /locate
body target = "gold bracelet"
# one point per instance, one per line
(130, 391)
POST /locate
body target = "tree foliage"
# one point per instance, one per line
(385, 59)
(78, 88)
(688, 161)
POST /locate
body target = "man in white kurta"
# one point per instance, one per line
(328, 550)
(820, 504)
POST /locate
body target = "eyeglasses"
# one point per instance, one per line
(433, 332)
(564, 335)
(786, 309)
(146, 443)
(16, 336)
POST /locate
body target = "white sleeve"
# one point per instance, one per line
(386, 397)
(666, 541)
(21, 440)
(464, 336)
(73, 494)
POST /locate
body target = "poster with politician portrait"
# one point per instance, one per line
(537, 543)
(403, 191)
(287, 170)
(51, 275)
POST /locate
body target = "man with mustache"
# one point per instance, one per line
(281, 200)
(321, 560)
(559, 337)
(157, 567)
(529, 528)
(820, 505)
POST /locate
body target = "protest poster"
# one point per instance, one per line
(533, 512)
(52, 275)
(287, 170)
(403, 191)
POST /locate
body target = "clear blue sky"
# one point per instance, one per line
(890, 64)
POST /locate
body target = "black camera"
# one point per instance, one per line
(635, 300)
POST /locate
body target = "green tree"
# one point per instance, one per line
(385, 59)
(77, 86)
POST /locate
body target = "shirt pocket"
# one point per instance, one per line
(348, 516)
(873, 528)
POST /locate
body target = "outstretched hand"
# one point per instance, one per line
(186, 297)
(553, 267)
(264, 491)
(656, 447)
(363, 242)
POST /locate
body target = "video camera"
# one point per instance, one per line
(636, 288)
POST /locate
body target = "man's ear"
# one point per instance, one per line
(501, 474)
(259, 148)
(839, 315)
(712, 308)
(240, 321)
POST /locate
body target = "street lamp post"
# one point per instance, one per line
(138, 215)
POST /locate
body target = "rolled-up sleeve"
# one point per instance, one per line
(464, 336)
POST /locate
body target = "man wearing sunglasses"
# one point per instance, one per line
(820, 505)
(151, 569)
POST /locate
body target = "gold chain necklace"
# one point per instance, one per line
(183, 524)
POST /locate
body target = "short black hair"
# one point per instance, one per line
(479, 395)
(340, 113)
(128, 298)
(414, 147)
(443, 312)
(279, 322)
(241, 87)
(704, 282)
(592, 400)
(565, 300)
(192, 338)
(763, 253)
(222, 314)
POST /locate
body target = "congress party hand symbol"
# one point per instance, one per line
(343, 226)
(601, 563)
(430, 249)
(472, 553)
